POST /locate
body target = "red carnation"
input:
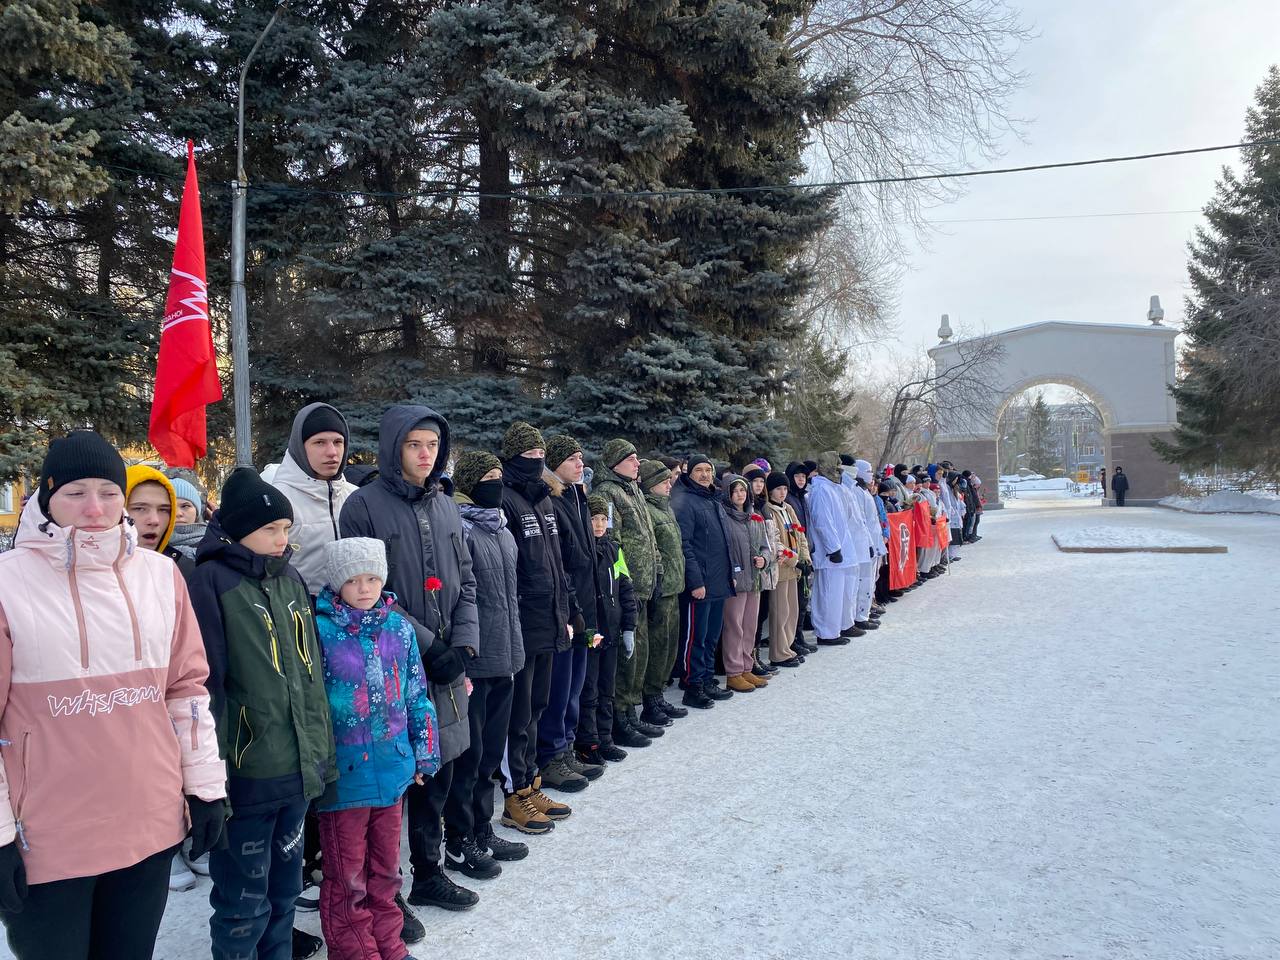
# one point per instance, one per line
(433, 584)
(757, 518)
(799, 527)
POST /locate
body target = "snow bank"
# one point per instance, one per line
(1131, 539)
(1226, 501)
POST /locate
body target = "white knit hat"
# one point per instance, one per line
(352, 557)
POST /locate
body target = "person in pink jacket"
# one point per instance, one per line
(108, 756)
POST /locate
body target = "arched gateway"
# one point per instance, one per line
(1126, 370)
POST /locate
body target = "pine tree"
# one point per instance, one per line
(1042, 457)
(1224, 416)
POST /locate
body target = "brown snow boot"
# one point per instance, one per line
(519, 812)
(545, 805)
(739, 683)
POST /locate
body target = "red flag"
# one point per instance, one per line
(944, 531)
(922, 526)
(187, 371)
(902, 553)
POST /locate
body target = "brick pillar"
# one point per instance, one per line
(1150, 478)
(978, 456)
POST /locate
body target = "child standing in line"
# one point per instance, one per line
(387, 737)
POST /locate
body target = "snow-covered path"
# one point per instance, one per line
(1041, 755)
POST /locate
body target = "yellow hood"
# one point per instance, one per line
(144, 474)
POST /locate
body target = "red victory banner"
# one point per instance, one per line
(187, 369)
(902, 551)
(922, 526)
(943, 527)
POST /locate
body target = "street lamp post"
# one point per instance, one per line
(239, 308)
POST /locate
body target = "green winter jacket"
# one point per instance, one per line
(670, 547)
(266, 675)
(633, 531)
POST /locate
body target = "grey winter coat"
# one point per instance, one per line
(738, 534)
(493, 561)
(422, 529)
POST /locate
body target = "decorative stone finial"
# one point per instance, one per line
(1155, 313)
(944, 331)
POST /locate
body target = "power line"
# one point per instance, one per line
(676, 192)
(1068, 216)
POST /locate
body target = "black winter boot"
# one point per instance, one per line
(411, 928)
(671, 710)
(468, 857)
(612, 752)
(500, 849)
(432, 888)
(625, 735)
(650, 730)
(715, 693)
(653, 714)
(865, 625)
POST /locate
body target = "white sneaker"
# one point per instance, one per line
(180, 876)
(199, 867)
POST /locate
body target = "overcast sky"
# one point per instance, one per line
(1103, 78)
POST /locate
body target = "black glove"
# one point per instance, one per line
(579, 628)
(13, 879)
(836, 557)
(872, 551)
(208, 818)
(446, 666)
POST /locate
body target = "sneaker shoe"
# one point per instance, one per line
(432, 888)
(412, 931)
(697, 698)
(558, 775)
(199, 867)
(181, 878)
(654, 715)
(469, 858)
(507, 851)
(670, 709)
(591, 770)
(715, 693)
(612, 752)
(551, 809)
(519, 813)
(307, 945)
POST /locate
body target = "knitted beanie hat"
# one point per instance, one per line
(697, 458)
(344, 559)
(80, 455)
(617, 450)
(471, 466)
(323, 419)
(775, 480)
(249, 502)
(652, 473)
(521, 436)
(560, 449)
(184, 489)
(598, 506)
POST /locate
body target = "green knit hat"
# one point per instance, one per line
(652, 473)
(471, 466)
(617, 450)
(560, 449)
(520, 437)
(598, 506)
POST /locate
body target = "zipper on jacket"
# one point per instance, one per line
(300, 638)
(238, 752)
(332, 519)
(271, 634)
(75, 601)
(457, 714)
(22, 795)
(128, 602)
(395, 671)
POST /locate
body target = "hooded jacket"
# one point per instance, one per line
(317, 504)
(104, 710)
(783, 519)
(666, 532)
(577, 545)
(265, 674)
(615, 597)
(738, 526)
(830, 517)
(547, 602)
(422, 530)
(633, 530)
(704, 536)
(185, 559)
(384, 725)
(493, 562)
(796, 494)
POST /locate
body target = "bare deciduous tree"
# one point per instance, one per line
(961, 392)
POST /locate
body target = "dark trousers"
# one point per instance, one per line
(559, 721)
(470, 802)
(700, 623)
(255, 883)
(882, 583)
(664, 635)
(802, 588)
(113, 916)
(595, 714)
(425, 808)
(1120, 497)
(970, 523)
(532, 691)
(358, 911)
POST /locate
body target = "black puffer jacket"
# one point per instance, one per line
(616, 598)
(547, 603)
(422, 529)
(577, 547)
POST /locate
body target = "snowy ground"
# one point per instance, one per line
(1114, 538)
(1042, 755)
(1227, 501)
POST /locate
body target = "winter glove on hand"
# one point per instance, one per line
(836, 557)
(445, 667)
(629, 642)
(208, 818)
(13, 879)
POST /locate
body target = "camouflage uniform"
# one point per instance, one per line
(664, 624)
